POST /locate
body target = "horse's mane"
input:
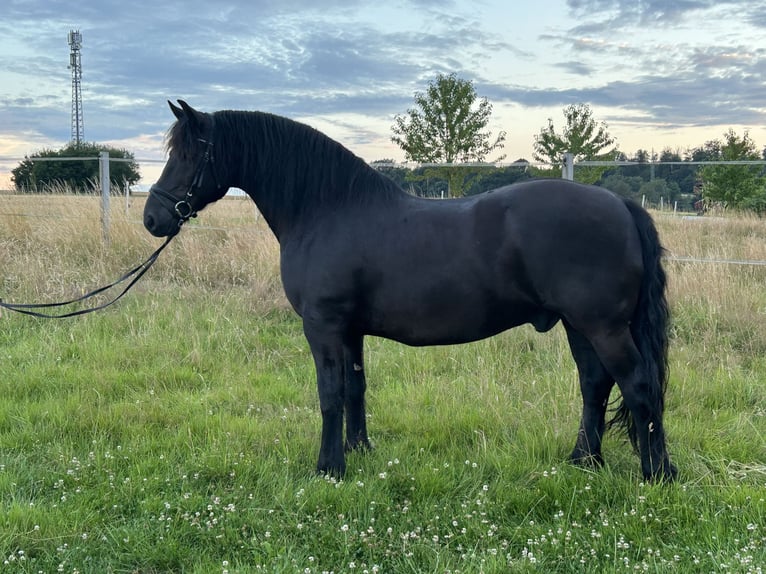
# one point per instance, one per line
(288, 162)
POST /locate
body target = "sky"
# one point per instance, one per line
(660, 73)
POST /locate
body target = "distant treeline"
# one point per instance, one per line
(670, 181)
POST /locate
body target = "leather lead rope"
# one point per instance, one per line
(136, 274)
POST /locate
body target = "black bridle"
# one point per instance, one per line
(183, 209)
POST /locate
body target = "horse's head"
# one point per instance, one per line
(189, 181)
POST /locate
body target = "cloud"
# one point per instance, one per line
(691, 77)
(621, 13)
(575, 67)
(757, 16)
(279, 63)
(350, 66)
(660, 101)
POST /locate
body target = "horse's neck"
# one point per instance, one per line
(277, 221)
(292, 172)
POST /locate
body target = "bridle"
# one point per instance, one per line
(183, 208)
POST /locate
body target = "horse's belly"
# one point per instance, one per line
(460, 322)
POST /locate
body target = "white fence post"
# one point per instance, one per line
(567, 170)
(103, 170)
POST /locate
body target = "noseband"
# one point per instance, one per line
(183, 208)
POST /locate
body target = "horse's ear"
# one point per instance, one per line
(192, 116)
(177, 112)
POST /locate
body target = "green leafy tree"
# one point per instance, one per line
(624, 185)
(643, 168)
(583, 137)
(682, 175)
(739, 186)
(638, 166)
(709, 151)
(657, 191)
(448, 125)
(31, 175)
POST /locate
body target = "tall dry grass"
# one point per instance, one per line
(52, 248)
(718, 302)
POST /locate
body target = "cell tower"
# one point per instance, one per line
(75, 64)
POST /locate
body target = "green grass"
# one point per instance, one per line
(178, 432)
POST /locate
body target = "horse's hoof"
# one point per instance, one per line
(587, 460)
(331, 469)
(666, 473)
(360, 445)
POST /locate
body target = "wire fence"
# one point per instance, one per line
(659, 184)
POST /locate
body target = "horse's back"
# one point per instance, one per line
(564, 200)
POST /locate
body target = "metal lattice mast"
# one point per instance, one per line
(75, 64)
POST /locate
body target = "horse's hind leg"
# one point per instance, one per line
(595, 385)
(356, 418)
(641, 396)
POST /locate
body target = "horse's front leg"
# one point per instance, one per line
(355, 386)
(328, 351)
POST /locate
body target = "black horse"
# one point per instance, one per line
(359, 256)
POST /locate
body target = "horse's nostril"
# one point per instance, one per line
(149, 221)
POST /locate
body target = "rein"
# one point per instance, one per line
(136, 274)
(183, 209)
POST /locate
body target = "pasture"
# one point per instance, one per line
(177, 431)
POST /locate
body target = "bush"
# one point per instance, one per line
(34, 175)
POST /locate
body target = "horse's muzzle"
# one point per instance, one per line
(160, 214)
(159, 229)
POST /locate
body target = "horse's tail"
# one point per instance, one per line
(649, 325)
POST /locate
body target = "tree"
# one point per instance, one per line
(739, 186)
(624, 185)
(32, 175)
(448, 125)
(639, 166)
(709, 151)
(583, 137)
(683, 176)
(659, 191)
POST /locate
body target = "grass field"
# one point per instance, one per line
(178, 430)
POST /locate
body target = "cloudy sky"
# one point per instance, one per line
(661, 73)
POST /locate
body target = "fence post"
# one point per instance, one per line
(567, 170)
(103, 170)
